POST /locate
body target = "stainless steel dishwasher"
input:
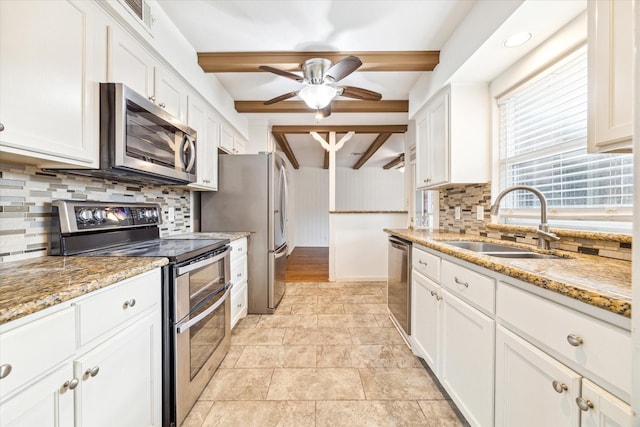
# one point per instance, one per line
(399, 284)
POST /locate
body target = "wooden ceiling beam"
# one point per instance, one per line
(282, 142)
(375, 146)
(394, 162)
(337, 106)
(296, 129)
(248, 62)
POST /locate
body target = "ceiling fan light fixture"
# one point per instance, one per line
(317, 96)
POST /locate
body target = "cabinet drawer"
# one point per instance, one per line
(36, 347)
(426, 263)
(239, 271)
(115, 305)
(238, 302)
(597, 347)
(476, 289)
(238, 249)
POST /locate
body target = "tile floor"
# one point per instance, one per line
(329, 356)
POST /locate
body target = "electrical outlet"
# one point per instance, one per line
(457, 212)
(171, 213)
(480, 213)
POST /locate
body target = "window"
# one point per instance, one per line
(543, 144)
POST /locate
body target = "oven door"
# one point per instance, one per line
(202, 335)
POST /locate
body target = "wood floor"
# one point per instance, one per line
(308, 264)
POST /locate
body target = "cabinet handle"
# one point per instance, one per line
(92, 371)
(5, 370)
(574, 340)
(1, 127)
(423, 262)
(239, 306)
(239, 275)
(162, 105)
(558, 386)
(584, 405)
(427, 180)
(152, 98)
(460, 282)
(70, 384)
(129, 303)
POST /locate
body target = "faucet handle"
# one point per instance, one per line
(547, 235)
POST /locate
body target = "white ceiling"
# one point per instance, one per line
(323, 25)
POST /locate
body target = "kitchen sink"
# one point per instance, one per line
(500, 251)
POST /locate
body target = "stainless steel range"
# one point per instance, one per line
(196, 287)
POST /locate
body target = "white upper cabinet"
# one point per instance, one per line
(610, 31)
(229, 142)
(204, 120)
(452, 132)
(52, 57)
(130, 63)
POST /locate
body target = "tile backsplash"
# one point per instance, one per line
(469, 196)
(26, 193)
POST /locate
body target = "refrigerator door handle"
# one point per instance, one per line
(282, 251)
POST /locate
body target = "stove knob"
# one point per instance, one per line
(154, 213)
(148, 213)
(84, 215)
(99, 215)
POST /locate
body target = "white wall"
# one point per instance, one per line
(359, 245)
(369, 189)
(311, 207)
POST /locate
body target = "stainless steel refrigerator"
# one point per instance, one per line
(252, 196)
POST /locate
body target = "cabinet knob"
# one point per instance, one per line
(1, 127)
(239, 275)
(162, 105)
(92, 372)
(583, 404)
(70, 385)
(5, 370)
(152, 98)
(129, 303)
(239, 306)
(574, 340)
(426, 180)
(558, 386)
(460, 282)
(438, 297)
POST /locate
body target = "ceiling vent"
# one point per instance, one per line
(141, 10)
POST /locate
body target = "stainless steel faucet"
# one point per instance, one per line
(543, 229)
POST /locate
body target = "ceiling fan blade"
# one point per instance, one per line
(360, 93)
(324, 112)
(342, 69)
(280, 98)
(282, 73)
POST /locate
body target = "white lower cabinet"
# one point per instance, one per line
(467, 359)
(425, 318)
(532, 389)
(605, 410)
(115, 379)
(239, 269)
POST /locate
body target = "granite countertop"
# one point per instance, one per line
(32, 285)
(598, 281)
(231, 235)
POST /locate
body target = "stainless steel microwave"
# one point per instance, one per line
(140, 142)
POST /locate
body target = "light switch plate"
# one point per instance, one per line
(480, 213)
(457, 212)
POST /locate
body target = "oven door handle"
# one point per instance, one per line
(190, 267)
(186, 325)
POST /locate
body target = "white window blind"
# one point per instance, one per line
(543, 143)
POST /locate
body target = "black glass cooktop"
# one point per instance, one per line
(177, 250)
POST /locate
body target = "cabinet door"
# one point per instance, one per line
(238, 302)
(610, 30)
(48, 90)
(47, 403)
(425, 318)
(126, 388)
(422, 155)
(205, 169)
(169, 93)
(525, 391)
(437, 140)
(467, 359)
(130, 63)
(607, 411)
(226, 139)
(211, 157)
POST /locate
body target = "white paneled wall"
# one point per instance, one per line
(311, 207)
(370, 189)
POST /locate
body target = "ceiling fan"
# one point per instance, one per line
(319, 76)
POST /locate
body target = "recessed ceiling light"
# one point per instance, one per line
(517, 40)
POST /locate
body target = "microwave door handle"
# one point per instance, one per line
(192, 159)
(186, 325)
